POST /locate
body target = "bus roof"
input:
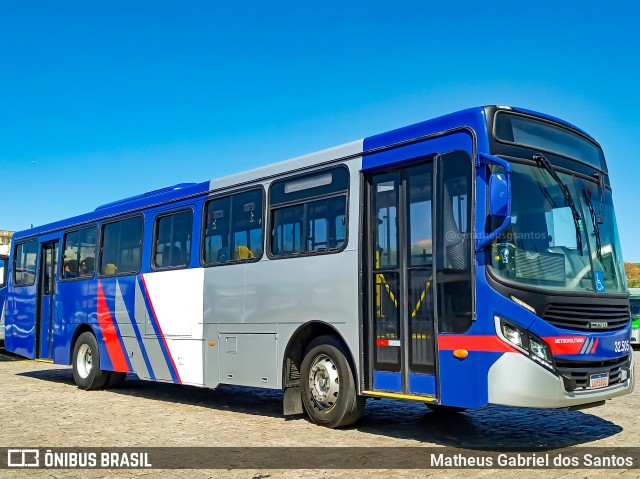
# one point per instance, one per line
(352, 149)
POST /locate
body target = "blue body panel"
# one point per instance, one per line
(460, 139)
(3, 282)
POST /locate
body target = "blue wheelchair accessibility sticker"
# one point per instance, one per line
(599, 277)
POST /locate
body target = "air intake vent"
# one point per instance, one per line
(580, 371)
(583, 317)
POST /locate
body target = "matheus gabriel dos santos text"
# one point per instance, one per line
(530, 460)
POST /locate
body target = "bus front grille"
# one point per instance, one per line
(583, 317)
(581, 371)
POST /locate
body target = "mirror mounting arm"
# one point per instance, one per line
(486, 159)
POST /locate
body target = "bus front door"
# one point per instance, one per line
(46, 291)
(419, 264)
(401, 316)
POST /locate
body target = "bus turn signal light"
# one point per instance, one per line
(461, 353)
(212, 343)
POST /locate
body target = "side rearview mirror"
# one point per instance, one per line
(499, 195)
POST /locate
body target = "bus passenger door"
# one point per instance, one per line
(401, 325)
(419, 262)
(46, 292)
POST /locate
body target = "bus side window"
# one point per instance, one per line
(172, 243)
(122, 247)
(24, 271)
(79, 252)
(233, 228)
(309, 213)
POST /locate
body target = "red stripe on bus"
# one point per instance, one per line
(486, 344)
(382, 342)
(565, 344)
(109, 334)
(595, 345)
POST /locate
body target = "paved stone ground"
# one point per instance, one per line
(42, 407)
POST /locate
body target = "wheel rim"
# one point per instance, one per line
(84, 361)
(324, 382)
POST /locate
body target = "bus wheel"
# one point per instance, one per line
(328, 386)
(86, 363)
(445, 410)
(115, 380)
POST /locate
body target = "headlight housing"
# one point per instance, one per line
(529, 344)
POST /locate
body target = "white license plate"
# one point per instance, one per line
(599, 380)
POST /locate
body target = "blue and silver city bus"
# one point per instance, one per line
(3, 292)
(468, 259)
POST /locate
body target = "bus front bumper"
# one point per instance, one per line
(515, 380)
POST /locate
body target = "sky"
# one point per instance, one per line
(104, 100)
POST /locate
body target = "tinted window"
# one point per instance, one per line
(24, 271)
(306, 223)
(420, 247)
(121, 247)
(233, 228)
(547, 137)
(3, 273)
(385, 207)
(79, 257)
(172, 246)
(453, 227)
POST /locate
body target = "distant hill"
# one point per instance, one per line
(633, 274)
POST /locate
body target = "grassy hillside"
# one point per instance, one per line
(633, 274)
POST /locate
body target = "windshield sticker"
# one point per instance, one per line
(599, 278)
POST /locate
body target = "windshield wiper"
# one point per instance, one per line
(601, 185)
(596, 229)
(568, 199)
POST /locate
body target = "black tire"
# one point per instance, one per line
(445, 410)
(88, 376)
(342, 407)
(115, 380)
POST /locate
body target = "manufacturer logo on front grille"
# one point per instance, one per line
(598, 325)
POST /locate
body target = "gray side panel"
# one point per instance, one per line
(253, 302)
(223, 294)
(249, 359)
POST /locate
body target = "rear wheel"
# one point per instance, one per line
(86, 363)
(328, 386)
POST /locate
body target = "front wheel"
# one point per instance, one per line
(86, 363)
(328, 386)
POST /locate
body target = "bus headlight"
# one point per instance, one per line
(530, 345)
(540, 352)
(512, 335)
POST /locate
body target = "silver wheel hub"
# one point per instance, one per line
(324, 382)
(84, 361)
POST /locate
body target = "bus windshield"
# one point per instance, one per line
(546, 246)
